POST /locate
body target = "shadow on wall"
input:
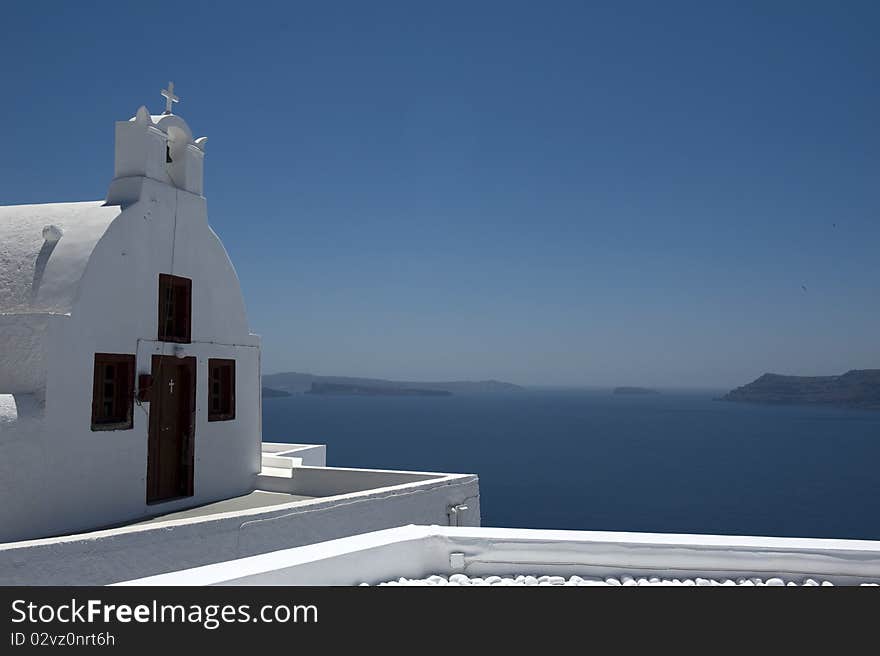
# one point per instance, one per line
(51, 236)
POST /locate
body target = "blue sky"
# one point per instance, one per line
(584, 193)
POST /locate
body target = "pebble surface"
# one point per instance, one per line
(624, 580)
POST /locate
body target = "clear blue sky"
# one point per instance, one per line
(543, 192)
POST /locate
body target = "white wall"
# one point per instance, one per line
(69, 478)
(312, 455)
(23, 352)
(131, 552)
(420, 551)
(22, 451)
(324, 481)
(39, 279)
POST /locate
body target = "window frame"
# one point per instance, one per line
(229, 410)
(123, 396)
(176, 285)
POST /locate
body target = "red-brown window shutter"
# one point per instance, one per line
(221, 389)
(113, 392)
(175, 309)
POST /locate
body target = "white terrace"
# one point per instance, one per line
(293, 504)
(469, 555)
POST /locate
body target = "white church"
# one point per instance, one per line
(124, 344)
(131, 446)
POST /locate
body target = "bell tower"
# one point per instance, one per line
(156, 147)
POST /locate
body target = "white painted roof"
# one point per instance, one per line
(36, 277)
(415, 552)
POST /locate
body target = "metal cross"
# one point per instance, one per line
(171, 386)
(169, 97)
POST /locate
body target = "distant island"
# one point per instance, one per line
(633, 391)
(269, 393)
(370, 390)
(859, 388)
(299, 383)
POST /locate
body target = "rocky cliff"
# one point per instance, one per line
(858, 388)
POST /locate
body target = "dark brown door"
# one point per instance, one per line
(172, 428)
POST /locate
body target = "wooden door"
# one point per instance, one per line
(172, 428)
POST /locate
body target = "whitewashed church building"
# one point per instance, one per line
(129, 380)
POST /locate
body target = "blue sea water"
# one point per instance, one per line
(674, 462)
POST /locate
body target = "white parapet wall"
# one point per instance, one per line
(312, 455)
(416, 552)
(335, 502)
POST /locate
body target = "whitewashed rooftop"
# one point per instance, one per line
(464, 555)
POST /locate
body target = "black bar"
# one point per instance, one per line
(290, 618)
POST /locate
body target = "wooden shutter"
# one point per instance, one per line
(175, 309)
(221, 389)
(113, 392)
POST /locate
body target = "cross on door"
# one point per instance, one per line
(171, 386)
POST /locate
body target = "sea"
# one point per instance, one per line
(675, 462)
